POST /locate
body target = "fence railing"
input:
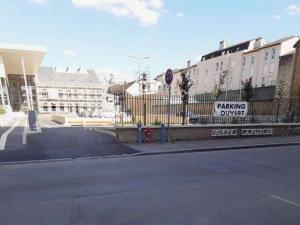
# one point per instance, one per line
(153, 110)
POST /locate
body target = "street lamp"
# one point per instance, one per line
(139, 59)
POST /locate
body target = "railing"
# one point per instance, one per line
(153, 110)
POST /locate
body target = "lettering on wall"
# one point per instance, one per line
(242, 132)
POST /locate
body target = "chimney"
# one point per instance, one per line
(67, 69)
(78, 70)
(259, 42)
(188, 64)
(223, 45)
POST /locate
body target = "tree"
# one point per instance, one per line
(247, 90)
(219, 87)
(185, 84)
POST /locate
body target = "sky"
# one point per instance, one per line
(101, 34)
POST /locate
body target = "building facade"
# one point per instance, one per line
(295, 88)
(262, 63)
(65, 92)
(18, 67)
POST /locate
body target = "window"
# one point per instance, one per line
(60, 94)
(221, 66)
(53, 107)
(252, 59)
(61, 107)
(244, 61)
(263, 82)
(273, 53)
(44, 93)
(69, 94)
(217, 67)
(75, 94)
(45, 107)
(266, 56)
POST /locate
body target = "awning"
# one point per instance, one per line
(12, 55)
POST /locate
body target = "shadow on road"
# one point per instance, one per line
(66, 142)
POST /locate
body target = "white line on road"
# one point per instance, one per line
(280, 199)
(4, 135)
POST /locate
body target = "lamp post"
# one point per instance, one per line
(139, 59)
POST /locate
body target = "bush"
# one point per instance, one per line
(2, 110)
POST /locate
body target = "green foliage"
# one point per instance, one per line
(185, 86)
(219, 87)
(247, 90)
(2, 110)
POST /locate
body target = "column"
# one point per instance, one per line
(2, 92)
(26, 86)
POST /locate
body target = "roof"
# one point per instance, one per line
(47, 75)
(13, 54)
(119, 88)
(277, 42)
(230, 49)
(297, 44)
(289, 53)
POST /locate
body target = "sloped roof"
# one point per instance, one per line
(47, 75)
(119, 88)
(297, 44)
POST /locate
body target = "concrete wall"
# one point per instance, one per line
(285, 75)
(187, 133)
(295, 89)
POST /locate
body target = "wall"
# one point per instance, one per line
(187, 133)
(295, 89)
(285, 75)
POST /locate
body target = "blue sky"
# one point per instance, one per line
(101, 34)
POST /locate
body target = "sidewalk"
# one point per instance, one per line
(218, 144)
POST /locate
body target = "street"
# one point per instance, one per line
(59, 142)
(257, 186)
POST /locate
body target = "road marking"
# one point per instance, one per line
(4, 135)
(280, 199)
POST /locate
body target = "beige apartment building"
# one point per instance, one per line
(67, 92)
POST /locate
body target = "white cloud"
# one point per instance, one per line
(69, 52)
(42, 2)
(180, 14)
(277, 17)
(147, 12)
(293, 10)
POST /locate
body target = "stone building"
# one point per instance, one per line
(288, 83)
(65, 92)
(295, 89)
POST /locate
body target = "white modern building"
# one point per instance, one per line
(67, 92)
(18, 67)
(256, 59)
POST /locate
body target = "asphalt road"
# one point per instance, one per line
(242, 187)
(61, 142)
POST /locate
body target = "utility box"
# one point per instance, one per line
(32, 119)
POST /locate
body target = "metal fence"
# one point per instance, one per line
(153, 110)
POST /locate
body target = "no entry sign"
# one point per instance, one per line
(169, 76)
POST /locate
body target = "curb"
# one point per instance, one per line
(181, 151)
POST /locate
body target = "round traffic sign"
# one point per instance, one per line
(169, 76)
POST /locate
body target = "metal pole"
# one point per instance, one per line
(26, 86)
(169, 103)
(2, 93)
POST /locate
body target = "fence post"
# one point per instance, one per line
(139, 133)
(162, 134)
